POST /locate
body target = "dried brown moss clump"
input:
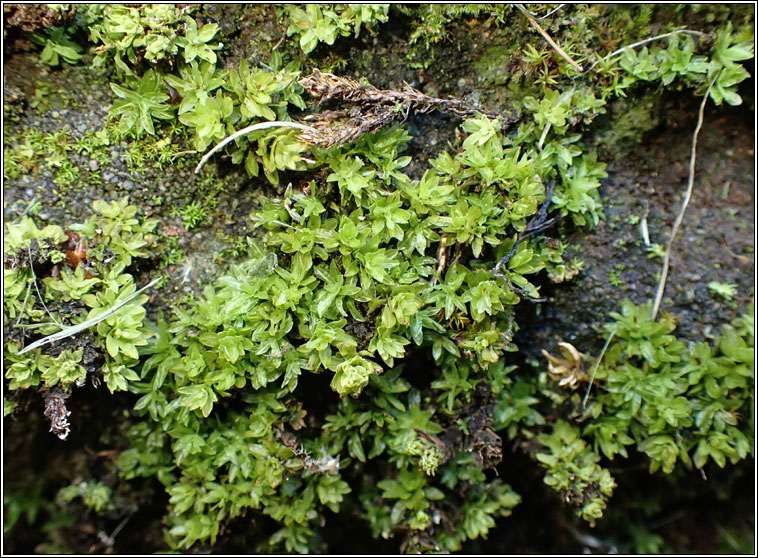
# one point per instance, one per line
(32, 17)
(56, 411)
(368, 109)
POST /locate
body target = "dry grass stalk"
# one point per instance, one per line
(551, 42)
(369, 108)
(644, 42)
(74, 329)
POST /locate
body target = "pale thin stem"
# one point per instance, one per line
(253, 128)
(175, 155)
(685, 203)
(594, 369)
(23, 306)
(644, 42)
(544, 135)
(36, 287)
(120, 526)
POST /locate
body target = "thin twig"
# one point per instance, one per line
(120, 526)
(34, 280)
(742, 259)
(430, 438)
(253, 128)
(175, 155)
(23, 306)
(538, 223)
(685, 203)
(73, 330)
(547, 37)
(645, 41)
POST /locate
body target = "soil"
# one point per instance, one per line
(716, 241)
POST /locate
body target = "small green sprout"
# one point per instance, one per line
(320, 23)
(193, 214)
(655, 250)
(140, 103)
(725, 290)
(8, 407)
(94, 494)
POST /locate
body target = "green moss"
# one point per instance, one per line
(316, 24)
(101, 249)
(631, 119)
(356, 361)
(57, 46)
(152, 32)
